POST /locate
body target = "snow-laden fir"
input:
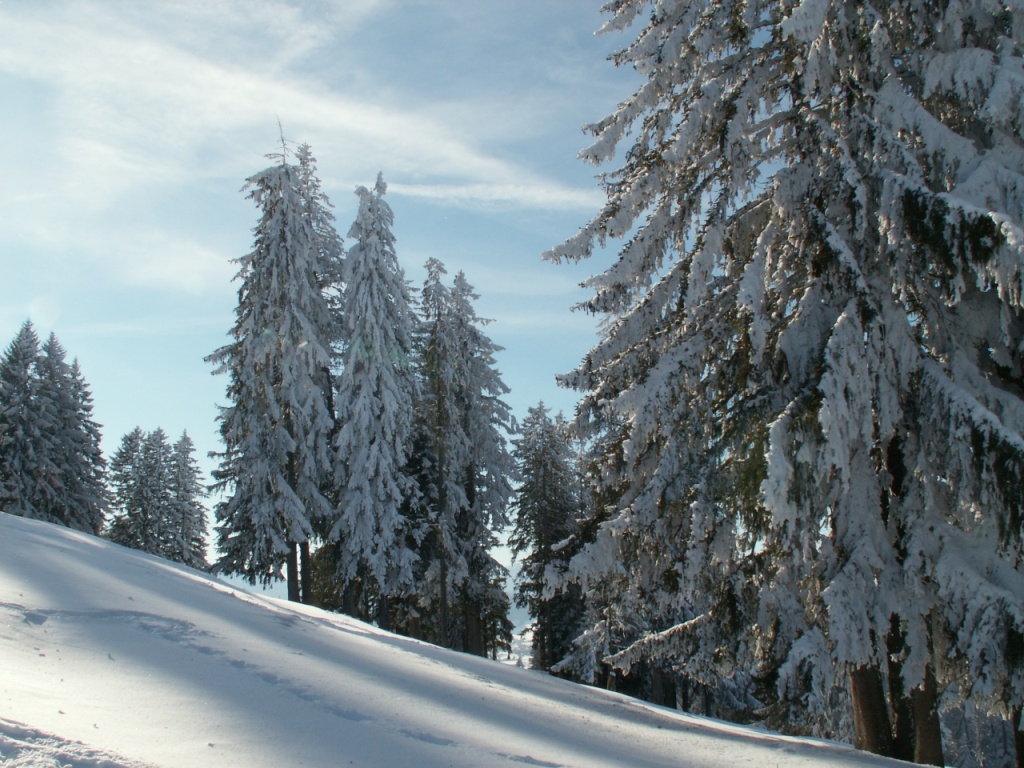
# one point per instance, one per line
(157, 493)
(375, 397)
(112, 658)
(277, 427)
(807, 398)
(466, 470)
(548, 502)
(51, 467)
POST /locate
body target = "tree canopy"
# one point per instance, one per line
(811, 357)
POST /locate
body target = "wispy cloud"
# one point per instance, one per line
(541, 194)
(170, 91)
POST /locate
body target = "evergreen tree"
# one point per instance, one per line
(813, 344)
(130, 524)
(24, 461)
(51, 467)
(487, 420)
(546, 507)
(276, 432)
(447, 447)
(144, 517)
(330, 251)
(154, 473)
(375, 401)
(188, 544)
(89, 500)
(468, 470)
(157, 491)
(76, 496)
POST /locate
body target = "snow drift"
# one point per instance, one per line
(113, 658)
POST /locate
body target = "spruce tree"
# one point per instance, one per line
(468, 470)
(154, 474)
(88, 498)
(144, 517)
(157, 496)
(813, 343)
(76, 496)
(130, 523)
(330, 251)
(546, 506)
(376, 394)
(24, 460)
(51, 466)
(276, 431)
(490, 475)
(186, 490)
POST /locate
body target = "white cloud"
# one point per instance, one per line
(542, 193)
(134, 106)
(164, 259)
(145, 103)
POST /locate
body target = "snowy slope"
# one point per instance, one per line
(112, 658)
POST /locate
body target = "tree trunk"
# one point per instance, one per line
(383, 612)
(414, 628)
(927, 732)
(683, 697)
(872, 731)
(1018, 736)
(350, 599)
(663, 689)
(305, 574)
(474, 640)
(902, 706)
(541, 644)
(293, 572)
(442, 608)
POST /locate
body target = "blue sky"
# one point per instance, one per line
(129, 128)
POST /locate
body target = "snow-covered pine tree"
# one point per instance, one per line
(277, 430)
(154, 490)
(546, 508)
(489, 476)
(446, 446)
(156, 493)
(468, 469)
(89, 486)
(376, 395)
(188, 542)
(140, 473)
(51, 466)
(24, 460)
(78, 497)
(129, 525)
(330, 251)
(814, 342)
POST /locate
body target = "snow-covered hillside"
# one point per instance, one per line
(113, 658)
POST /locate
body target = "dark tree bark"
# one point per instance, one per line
(474, 629)
(663, 689)
(927, 732)
(442, 607)
(384, 612)
(872, 730)
(305, 575)
(1018, 737)
(293, 572)
(902, 706)
(351, 599)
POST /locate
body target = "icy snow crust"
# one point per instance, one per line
(112, 658)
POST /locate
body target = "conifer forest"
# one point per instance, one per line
(790, 494)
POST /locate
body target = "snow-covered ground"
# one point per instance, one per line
(110, 658)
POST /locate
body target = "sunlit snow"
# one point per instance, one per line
(113, 658)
